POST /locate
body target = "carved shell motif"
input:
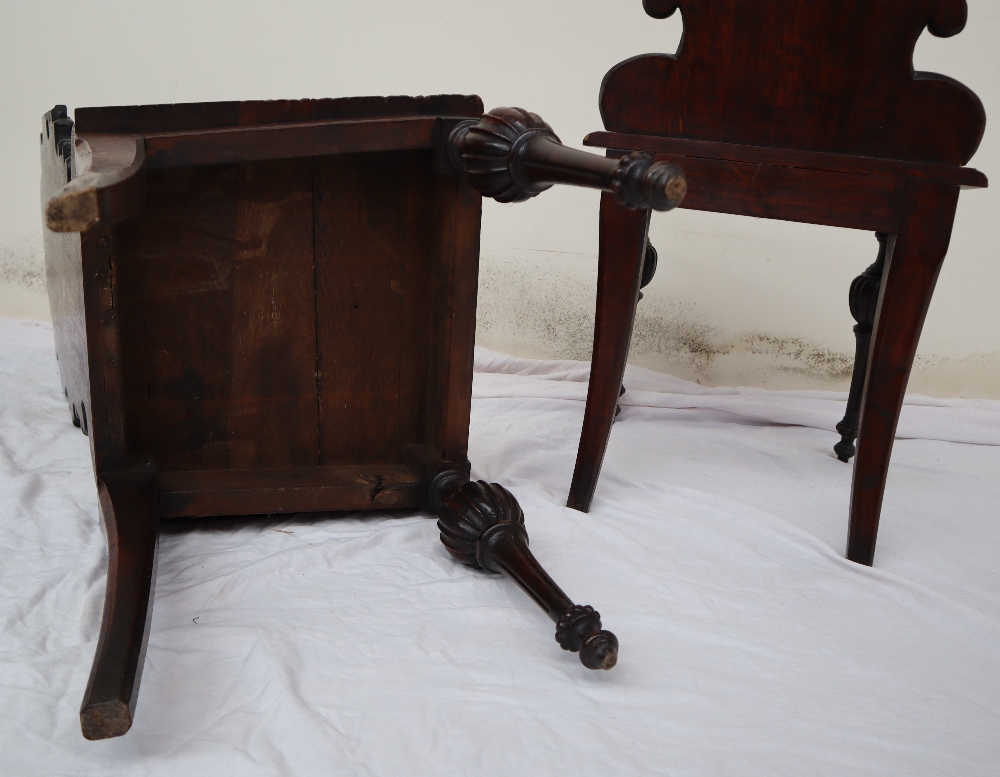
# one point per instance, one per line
(472, 512)
(489, 150)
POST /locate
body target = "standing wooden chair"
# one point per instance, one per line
(807, 112)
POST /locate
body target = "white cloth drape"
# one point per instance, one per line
(354, 645)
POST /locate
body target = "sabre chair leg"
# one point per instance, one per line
(914, 259)
(648, 271)
(482, 525)
(131, 520)
(621, 257)
(863, 298)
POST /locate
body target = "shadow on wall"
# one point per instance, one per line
(538, 310)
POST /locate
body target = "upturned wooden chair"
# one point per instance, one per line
(807, 112)
(270, 307)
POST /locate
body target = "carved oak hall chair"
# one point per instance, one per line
(802, 111)
(269, 307)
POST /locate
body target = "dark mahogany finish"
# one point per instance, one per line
(269, 307)
(512, 155)
(818, 76)
(621, 251)
(863, 300)
(805, 112)
(482, 525)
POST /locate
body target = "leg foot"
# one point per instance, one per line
(622, 254)
(128, 508)
(482, 525)
(914, 259)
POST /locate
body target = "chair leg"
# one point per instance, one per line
(131, 520)
(914, 259)
(482, 525)
(863, 299)
(648, 271)
(622, 251)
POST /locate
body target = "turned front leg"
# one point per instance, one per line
(482, 525)
(863, 299)
(512, 155)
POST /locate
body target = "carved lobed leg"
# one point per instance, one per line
(131, 521)
(913, 260)
(622, 252)
(482, 525)
(863, 298)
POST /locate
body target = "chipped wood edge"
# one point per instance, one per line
(75, 207)
(109, 188)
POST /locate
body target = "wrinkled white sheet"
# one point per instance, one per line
(354, 645)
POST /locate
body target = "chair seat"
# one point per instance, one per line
(966, 177)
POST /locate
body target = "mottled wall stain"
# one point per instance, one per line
(544, 312)
(799, 357)
(545, 309)
(22, 266)
(533, 309)
(22, 280)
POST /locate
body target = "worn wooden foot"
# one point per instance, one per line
(128, 508)
(620, 264)
(913, 260)
(863, 299)
(482, 525)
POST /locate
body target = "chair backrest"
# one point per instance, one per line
(819, 75)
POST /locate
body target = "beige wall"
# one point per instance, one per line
(735, 300)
